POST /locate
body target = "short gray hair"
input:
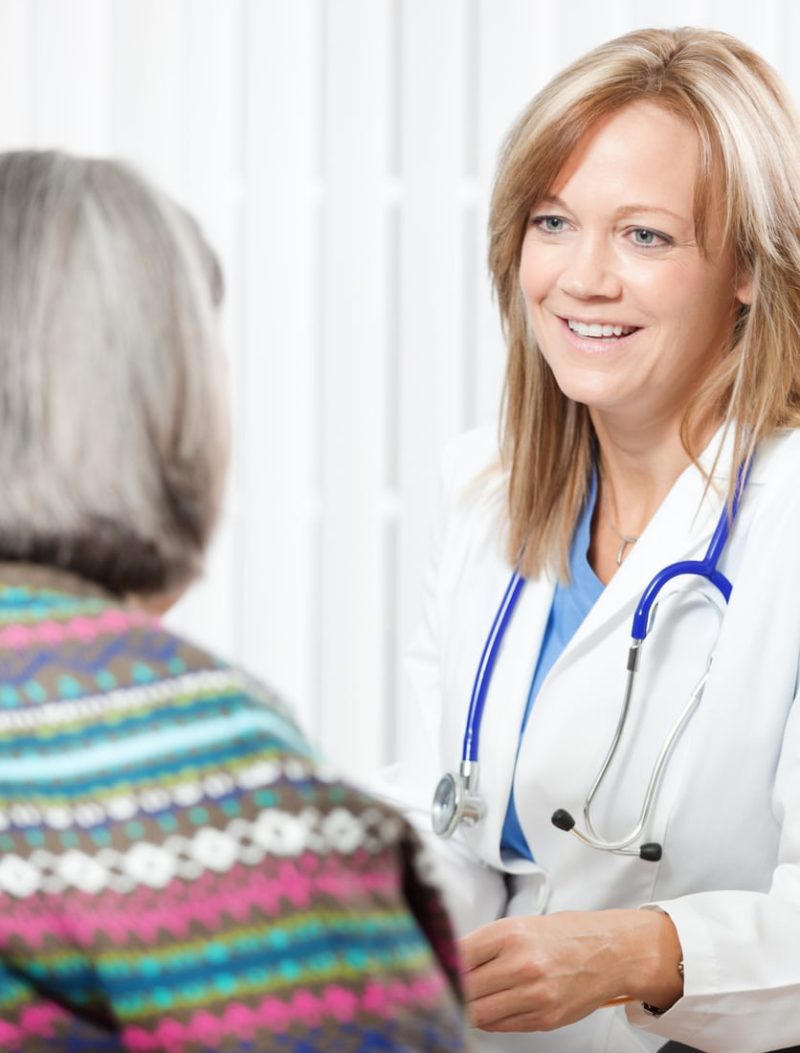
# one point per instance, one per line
(113, 417)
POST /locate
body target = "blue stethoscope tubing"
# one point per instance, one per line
(706, 568)
(483, 676)
(465, 783)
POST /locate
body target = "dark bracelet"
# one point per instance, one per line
(653, 1010)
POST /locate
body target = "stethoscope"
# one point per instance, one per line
(457, 799)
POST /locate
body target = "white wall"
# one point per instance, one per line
(339, 154)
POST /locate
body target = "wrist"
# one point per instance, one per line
(654, 959)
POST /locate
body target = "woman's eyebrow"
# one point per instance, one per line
(628, 210)
(624, 210)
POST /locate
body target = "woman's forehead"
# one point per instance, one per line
(642, 147)
(644, 154)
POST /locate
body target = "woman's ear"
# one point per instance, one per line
(744, 287)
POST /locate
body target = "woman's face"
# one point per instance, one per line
(626, 308)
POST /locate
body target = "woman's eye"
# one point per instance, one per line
(648, 239)
(549, 224)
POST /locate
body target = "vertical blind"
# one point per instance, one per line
(339, 154)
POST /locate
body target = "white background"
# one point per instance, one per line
(339, 154)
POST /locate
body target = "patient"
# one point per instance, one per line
(177, 872)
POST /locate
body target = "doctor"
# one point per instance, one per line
(645, 250)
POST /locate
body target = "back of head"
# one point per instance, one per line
(749, 172)
(113, 430)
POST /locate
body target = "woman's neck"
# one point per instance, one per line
(637, 468)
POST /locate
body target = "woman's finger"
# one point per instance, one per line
(491, 1010)
(482, 945)
(487, 979)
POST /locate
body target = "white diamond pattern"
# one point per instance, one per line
(274, 832)
(82, 871)
(157, 798)
(150, 864)
(18, 876)
(215, 850)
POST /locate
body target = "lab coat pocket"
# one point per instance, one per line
(528, 893)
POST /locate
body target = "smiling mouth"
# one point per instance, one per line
(600, 330)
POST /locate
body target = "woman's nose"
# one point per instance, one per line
(590, 272)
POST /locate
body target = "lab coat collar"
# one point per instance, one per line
(680, 529)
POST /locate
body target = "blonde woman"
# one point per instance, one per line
(645, 250)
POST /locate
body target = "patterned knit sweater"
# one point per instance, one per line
(177, 872)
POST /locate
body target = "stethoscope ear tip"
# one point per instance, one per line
(562, 819)
(651, 852)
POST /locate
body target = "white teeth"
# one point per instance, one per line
(595, 329)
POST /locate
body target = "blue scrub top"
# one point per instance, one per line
(571, 603)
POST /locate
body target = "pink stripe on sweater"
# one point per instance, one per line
(382, 1000)
(147, 916)
(39, 1020)
(84, 629)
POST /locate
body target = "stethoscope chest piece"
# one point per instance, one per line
(456, 800)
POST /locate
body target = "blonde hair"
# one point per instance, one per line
(749, 145)
(113, 430)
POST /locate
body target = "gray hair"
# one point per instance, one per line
(113, 420)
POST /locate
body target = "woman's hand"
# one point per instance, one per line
(541, 973)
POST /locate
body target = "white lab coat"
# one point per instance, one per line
(728, 814)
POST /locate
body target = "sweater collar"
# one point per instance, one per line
(41, 578)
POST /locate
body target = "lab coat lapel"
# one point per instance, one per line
(680, 529)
